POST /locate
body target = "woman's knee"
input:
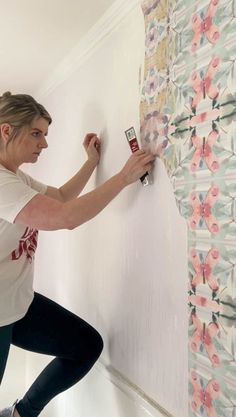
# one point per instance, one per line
(89, 345)
(99, 344)
(95, 345)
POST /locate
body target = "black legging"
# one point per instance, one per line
(50, 329)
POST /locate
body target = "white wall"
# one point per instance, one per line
(126, 270)
(13, 384)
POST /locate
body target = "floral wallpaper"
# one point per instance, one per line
(188, 118)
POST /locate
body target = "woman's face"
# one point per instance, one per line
(28, 145)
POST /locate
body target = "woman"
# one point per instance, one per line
(28, 319)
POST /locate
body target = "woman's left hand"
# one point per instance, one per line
(92, 146)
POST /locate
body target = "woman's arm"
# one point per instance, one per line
(45, 213)
(72, 188)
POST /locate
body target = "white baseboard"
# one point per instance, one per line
(134, 393)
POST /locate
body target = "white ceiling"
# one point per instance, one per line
(36, 35)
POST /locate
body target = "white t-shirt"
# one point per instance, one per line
(18, 244)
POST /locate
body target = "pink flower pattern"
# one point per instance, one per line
(204, 335)
(205, 26)
(204, 151)
(200, 301)
(204, 86)
(204, 269)
(203, 210)
(204, 397)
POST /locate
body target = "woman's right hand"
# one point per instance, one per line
(137, 165)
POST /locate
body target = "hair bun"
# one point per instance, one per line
(6, 94)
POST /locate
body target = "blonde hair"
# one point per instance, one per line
(19, 111)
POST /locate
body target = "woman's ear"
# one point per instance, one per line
(5, 131)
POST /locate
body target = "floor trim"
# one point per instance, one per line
(135, 393)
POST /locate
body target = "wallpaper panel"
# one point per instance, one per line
(188, 119)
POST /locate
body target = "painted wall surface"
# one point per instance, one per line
(126, 270)
(13, 384)
(188, 118)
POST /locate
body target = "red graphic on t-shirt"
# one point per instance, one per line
(27, 245)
